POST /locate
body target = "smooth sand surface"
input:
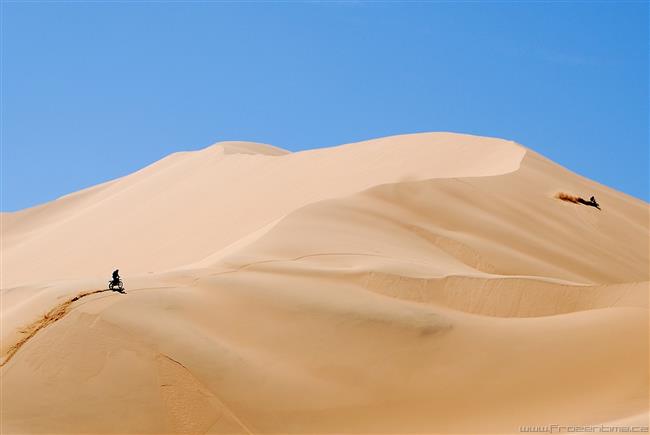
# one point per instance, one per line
(426, 283)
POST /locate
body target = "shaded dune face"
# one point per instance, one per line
(428, 283)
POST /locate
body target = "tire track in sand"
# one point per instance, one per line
(56, 313)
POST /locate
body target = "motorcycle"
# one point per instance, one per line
(117, 286)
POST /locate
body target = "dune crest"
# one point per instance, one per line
(246, 148)
(425, 283)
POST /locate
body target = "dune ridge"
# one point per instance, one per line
(426, 283)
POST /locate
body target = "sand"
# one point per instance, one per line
(426, 283)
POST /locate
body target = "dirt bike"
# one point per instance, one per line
(116, 285)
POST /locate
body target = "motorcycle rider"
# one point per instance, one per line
(116, 276)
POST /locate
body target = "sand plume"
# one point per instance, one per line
(578, 200)
(568, 197)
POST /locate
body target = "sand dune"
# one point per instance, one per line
(428, 283)
(189, 205)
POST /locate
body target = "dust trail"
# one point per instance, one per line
(568, 197)
(47, 319)
(578, 200)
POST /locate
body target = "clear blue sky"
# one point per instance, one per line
(96, 90)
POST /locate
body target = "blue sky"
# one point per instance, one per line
(96, 90)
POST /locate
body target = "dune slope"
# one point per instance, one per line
(428, 283)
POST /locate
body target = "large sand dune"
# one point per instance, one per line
(428, 283)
